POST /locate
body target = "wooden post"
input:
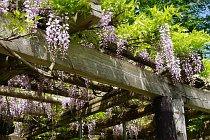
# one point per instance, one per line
(80, 129)
(179, 118)
(165, 124)
(124, 131)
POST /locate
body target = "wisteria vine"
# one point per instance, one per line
(172, 62)
(183, 69)
(107, 33)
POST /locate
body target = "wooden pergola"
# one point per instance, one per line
(168, 99)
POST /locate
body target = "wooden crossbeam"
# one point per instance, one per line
(126, 116)
(93, 65)
(30, 95)
(102, 105)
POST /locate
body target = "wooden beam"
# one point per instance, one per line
(30, 95)
(97, 66)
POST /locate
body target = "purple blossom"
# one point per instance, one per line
(196, 62)
(57, 36)
(91, 127)
(15, 107)
(106, 32)
(144, 54)
(68, 103)
(191, 65)
(117, 130)
(47, 107)
(80, 104)
(121, 45)
(108, 36)
(187, 67)
(159, 64)
(105, 19)
(20, 80)
(172, 63)
(133, 129)
(32, 9)
(4, 4)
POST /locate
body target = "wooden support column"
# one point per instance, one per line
(124, 131)
(179, 118)
(80, 129)
(165, 124)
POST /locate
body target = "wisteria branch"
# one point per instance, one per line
(13, 37)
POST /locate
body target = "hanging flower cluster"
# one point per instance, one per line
(91, 127)
(172, 62)
(166, 60)
(32, 9)
(57, 35)
(12, 107)
(117, 130)
(133, 129)
(191, 65)
(108, 35)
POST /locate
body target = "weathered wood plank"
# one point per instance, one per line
(97, 66)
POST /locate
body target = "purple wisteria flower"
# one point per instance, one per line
(144, 54)
(107, 33)
(117, 130)
(133, 129)
(68, 103)
(187, 67)
(32, 9)
(121, 45)
(196, 62)
(191, 65)
(172, 63)
(4, 4)
(105, 19)
(57, 35)
(91, 127)
(20, 80)
(159, 64)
